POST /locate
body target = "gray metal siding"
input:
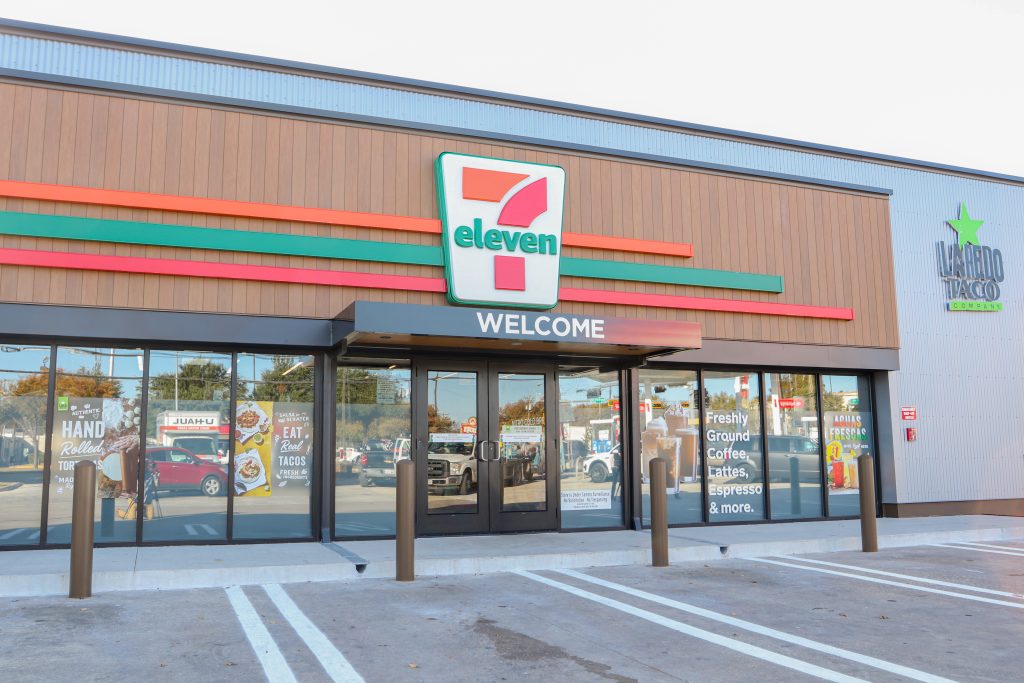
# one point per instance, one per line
(963, 371)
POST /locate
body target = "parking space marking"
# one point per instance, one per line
(824, 648)
(693, 631)
(12, 534)
(1007, 548)
(977, 550)
(333, 662)
(887, 582)
(934, 582)
(273, 662)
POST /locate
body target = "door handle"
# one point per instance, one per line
(483, 459)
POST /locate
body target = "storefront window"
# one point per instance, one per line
(846, 400)
(590, 460)
(794, 458)
(185, 479)
(373, 423)
(732, 446)
(97, 416)
(24, 380)
(670, 428)
(273, 439)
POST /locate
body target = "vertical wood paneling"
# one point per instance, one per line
(830, 246)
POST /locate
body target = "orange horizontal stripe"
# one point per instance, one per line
(218, 207)
(579, 239)
(302, 214)
(230, 271)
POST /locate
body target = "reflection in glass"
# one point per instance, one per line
(669, 428)
(846, 400)
(732, 446)
(97, 417)
(188, 412)
(591, 448)
(794, 459)
(453, 474)
(521, 441)
(24, 380)
(273, 440)
(372, 432)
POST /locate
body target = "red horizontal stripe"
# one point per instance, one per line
(301, 214)
(229, 271)
(695, 303)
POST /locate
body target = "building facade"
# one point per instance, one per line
(247, 289)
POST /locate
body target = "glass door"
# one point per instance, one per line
(524, 478)
(484, 444)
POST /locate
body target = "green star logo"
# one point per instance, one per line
(966, 227)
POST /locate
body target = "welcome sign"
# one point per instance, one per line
(502, 230)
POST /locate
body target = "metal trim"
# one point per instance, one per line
(433, 128)
(126, 326)
(408, 83)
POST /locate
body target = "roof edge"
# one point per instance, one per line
(501, 96)
(450, 130)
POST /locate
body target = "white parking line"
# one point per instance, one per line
(934, 582)
(208, 529)
(887, 582)
(1008, 548)
(978, 550)
(191, 530)
(708, 636)
(12, 534)
(824, 648)
(334, 663)
(274, 665)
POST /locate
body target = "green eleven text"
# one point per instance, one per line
(504, 240)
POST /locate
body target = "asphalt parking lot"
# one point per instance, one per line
(927, 613)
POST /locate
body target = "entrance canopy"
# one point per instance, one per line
(373, 324)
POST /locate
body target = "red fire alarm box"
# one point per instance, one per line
(911, 433)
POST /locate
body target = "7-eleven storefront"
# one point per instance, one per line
(307, 302)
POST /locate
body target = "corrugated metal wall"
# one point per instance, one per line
(963, 371)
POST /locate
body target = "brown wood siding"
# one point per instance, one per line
(832, 247)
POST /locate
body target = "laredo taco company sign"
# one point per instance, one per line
(502, 223)
(970, 273)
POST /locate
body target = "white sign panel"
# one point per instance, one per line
(587, 500)
(502, 230)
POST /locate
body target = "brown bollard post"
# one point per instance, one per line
(659, 513)
(405, 532)
(868, 521)
(83, 517)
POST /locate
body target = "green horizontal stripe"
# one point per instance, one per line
(699, 277)
(248, 241)
(162, 235)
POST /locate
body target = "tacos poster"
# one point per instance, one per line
(253, 443)
(273, 447)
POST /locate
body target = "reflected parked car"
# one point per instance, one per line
(600, 466)
(203, 447)
(782, 449)
(180, 470)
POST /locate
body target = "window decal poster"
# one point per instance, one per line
(253, 436)
(273, 447)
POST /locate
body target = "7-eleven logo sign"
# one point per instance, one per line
(502, 230)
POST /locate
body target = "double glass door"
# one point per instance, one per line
(485, 447)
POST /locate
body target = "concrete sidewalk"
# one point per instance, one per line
(45, 572)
